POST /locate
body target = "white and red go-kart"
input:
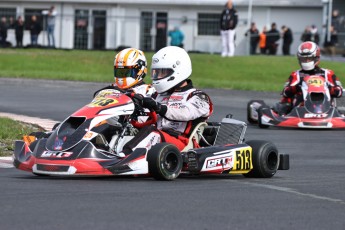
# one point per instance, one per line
(317, 110)
(87, 143)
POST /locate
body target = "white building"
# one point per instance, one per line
(108, 24)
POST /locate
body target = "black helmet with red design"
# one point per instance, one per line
(308, 55)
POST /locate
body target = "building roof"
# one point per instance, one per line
(291, 3)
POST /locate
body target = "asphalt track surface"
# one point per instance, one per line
(308, 196)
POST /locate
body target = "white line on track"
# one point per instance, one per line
(293, 191)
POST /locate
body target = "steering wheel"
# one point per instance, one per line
(152, 115)
(152, 119)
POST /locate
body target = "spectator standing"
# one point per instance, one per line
(51, 14)
(306, 35)
(337, 20)
(11, 23)
(287, 40)
(262, 43)
(177, 37)
(314, 35)
(228, 23)
(272, 39)
(19, 30)
(330, 45)
(3, 32)
(35, 30)
(253, 33)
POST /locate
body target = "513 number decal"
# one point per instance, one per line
(243, 160)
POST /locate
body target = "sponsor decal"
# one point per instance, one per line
(58, 144)
(315, 81)
(175, 98)
(224, 162)
(99, 102)
(175, 105)
(52, 154)
(89, 135)
(313, 115)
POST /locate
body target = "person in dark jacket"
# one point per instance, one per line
(228, 23)
(287, 40)
(19, 30)
(3, 31)
(35, 29)
(253, 34)
(272, 38)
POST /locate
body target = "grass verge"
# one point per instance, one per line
(258, 73)
(11, 130)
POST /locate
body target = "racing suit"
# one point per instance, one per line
(292, 93)
(179, 111)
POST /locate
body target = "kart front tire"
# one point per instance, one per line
(260, 115)
(164, 161)
(249, 113)
(265, 159)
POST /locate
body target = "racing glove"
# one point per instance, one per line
(335, 91)
(151, 104)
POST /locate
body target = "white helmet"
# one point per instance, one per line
(130, 68)
(170, 66)
(308, 55)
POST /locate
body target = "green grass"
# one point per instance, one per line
(259, 73)
(12, 130)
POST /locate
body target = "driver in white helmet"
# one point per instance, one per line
(130, 69)
(179, 106)
(308, 55)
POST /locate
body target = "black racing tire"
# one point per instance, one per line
(164, 161)
(260, 115)
(249, 118)
(265, 159)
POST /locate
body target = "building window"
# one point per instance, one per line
(208, 24)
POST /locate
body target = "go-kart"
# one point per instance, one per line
(88, 142)
(316, 110)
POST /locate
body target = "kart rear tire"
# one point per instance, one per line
(265, 159)
(249, 118)
(260, 115)
(164, 161)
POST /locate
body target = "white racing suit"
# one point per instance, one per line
(181, 111)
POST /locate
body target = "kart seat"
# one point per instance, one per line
(195, 136)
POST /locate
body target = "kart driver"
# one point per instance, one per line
(130, 68)
(308, 55)
(179, 106)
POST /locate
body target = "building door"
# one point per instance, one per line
(99, 25)
(153, 30)
(81, 24)
(161, 28)
(89, 35)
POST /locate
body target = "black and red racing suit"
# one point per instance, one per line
(292, 92)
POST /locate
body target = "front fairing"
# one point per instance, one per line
(80, 125)
(316, 95)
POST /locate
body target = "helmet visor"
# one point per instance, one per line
(157, 74)
(306, 59)
(125, 72)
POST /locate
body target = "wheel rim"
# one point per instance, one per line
(171, 162)
(272, 160)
